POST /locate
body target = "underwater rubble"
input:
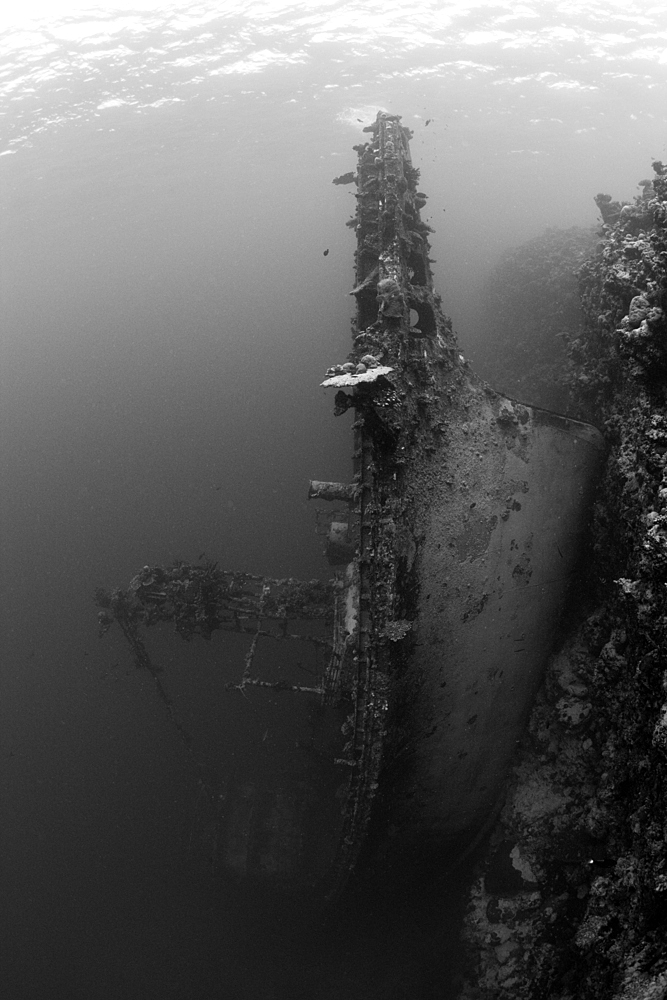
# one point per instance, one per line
(570, 901)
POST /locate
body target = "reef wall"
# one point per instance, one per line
(571, 899)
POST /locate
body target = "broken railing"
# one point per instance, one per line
(199, 600)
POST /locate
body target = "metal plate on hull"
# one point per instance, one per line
(502, 512)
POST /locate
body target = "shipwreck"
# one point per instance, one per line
(452, 549)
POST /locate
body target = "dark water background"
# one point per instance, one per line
(167, 315)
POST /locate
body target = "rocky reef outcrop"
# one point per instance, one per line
(570, 902)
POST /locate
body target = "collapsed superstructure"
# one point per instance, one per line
(453, 546)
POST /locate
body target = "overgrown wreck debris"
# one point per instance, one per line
(571, 902)
(202, 599)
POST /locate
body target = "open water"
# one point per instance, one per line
(168, 311)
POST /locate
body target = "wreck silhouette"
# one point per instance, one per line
(452, 546)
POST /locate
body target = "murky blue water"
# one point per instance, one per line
(168, 314)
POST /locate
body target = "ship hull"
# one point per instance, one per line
(500, 516)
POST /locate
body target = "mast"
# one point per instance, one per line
(400, 337)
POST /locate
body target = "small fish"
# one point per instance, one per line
(264, 736)
(325, 253)
(428, 121)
